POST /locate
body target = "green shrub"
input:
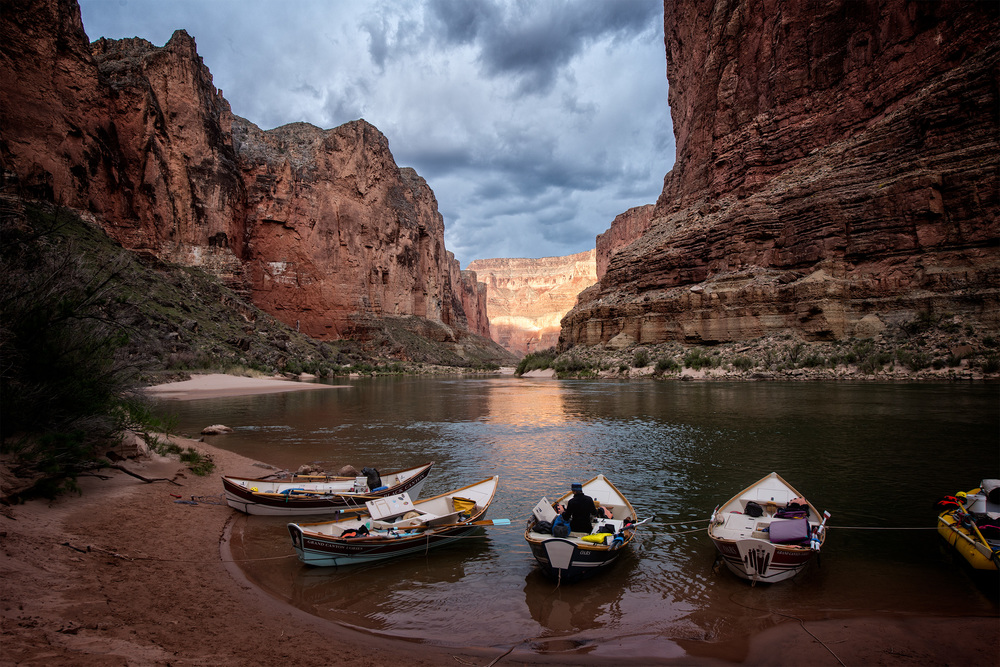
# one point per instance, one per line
(641, 358)
(991, 364)
(197, 462)
(536, 361)
(666, 364)
(914, 361)
(696, 359)
(743, 363)
(570, 364)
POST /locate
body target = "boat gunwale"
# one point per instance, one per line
(426, 534)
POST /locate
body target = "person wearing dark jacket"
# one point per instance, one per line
(579, 509)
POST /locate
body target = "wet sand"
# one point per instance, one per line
(125, 575)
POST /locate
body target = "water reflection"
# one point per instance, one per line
(875, 456)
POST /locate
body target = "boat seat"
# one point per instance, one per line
(433, 520)
(617, 523)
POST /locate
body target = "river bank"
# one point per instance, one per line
(125, 574)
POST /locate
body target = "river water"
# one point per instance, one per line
(876, 456)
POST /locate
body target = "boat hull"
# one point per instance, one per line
(975, 553)
(391, 532)
(319, 552)
(762, 561)
(565, 560)
(240, 496)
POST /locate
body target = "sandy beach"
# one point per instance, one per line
(123, 574)
(217, 385)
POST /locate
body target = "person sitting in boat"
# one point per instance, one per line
(579, 510)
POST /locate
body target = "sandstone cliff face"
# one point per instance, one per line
(837, 171)
(527, 298)
(625, 228)
(339, 233)
(320, 226)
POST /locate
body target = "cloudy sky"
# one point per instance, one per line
(535, 122)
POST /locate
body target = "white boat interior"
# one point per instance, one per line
(399, 515)
(734, 521)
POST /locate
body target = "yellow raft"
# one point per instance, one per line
(969, 516)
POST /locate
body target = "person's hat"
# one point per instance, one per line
(576, 486)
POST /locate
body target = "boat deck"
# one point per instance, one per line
(736, 526)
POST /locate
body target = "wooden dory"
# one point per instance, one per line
(767, 532)
(311, 495)
(583, 555)
(395, 526)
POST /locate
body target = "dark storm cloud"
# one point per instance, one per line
(532, 40)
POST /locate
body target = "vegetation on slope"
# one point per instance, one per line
(82, 322)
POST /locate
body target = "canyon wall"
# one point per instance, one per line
(527, 298)
(320, 227)
(837, 172)
(625, 228)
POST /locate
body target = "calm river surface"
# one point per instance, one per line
(874, 455)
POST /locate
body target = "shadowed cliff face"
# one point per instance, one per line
(527, 298)
(320, 227)
(837, 172)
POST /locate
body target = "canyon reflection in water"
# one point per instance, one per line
(874, 455)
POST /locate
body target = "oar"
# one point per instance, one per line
(994, 554)
(484, 522)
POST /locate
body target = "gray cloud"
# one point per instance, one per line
(535, 123)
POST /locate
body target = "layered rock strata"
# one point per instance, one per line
(527, 298)
(837, 172)
(320, 227)
(625, 228)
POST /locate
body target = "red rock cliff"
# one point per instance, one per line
(625, 228)
(527, 298)
(320, 226)
(837, 171)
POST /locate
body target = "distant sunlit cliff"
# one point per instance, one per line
(527, 298)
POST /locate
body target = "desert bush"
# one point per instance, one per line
(641, 358)
(696, 359)
(62, 331)
(666, 364)
(536, 361)
(914, 361)
(991, 364)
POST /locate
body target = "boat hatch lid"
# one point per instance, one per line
(543, 510)
(383, 508)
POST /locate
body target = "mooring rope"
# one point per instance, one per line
(796, 618)
(828, 527)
